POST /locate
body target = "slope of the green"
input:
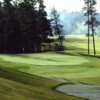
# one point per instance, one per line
(17, 85)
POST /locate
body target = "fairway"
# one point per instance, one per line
(73, 64)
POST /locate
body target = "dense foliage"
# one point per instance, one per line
(23, 26)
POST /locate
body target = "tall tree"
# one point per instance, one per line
(1, 26)
(92, 22)
(87, 13)
(26, 16)
(9, 26)
(56, 26)
(23, 26)
(43, 24)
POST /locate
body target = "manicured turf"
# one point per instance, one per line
(45, 59)
(72, 64)
(16, 85)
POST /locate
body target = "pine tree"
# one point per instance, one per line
(92, 22)
(23, 27)
(1, 27)
(43, 24)
(56, 26)
(26, 16)
(9, 26)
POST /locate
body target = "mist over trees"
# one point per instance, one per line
(75, 22)
(71, 21)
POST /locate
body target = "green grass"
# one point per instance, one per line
(18, 72)
(44, 59)
(17, 85)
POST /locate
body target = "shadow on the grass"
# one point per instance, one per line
(66, 53)
(94, 56)
(71, 51)
(20, 77)
(80, 53)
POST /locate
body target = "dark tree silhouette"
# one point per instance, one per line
(26, 15)
(23, 26)
(1, 27)
(43, 25)
(10, 25)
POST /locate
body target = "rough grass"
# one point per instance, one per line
(17, 85)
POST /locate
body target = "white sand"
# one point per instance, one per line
(90, 92)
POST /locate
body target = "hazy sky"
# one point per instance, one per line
(67, 5)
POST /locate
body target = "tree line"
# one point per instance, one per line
(24, 26)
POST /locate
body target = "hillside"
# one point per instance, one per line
(16, 85)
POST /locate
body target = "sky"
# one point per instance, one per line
(67, 5)
(70, 6)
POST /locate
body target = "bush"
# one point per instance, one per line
(59, 47)
(61, 38)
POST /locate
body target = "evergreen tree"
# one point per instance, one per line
(43, 25)
(56, 26)
(9, 27)
(26, 15)
(92, 22)
(23, 26)
(1, 26)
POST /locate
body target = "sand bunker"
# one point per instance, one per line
(90, 92)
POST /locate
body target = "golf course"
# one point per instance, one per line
(35, 76)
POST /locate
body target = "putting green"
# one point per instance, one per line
(47, 59)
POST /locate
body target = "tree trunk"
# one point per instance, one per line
(88, 40)
(94, 50)
(50, 46)
(93, 41)
(88, 33)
